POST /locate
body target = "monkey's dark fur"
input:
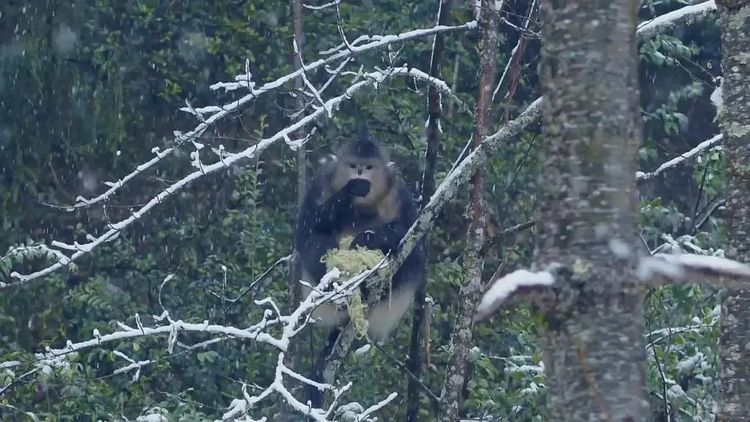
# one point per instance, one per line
(360, 195)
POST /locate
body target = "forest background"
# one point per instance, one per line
(88, 89)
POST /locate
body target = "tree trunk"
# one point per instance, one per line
(295, 290)
(419, 335)
(594, 349)
(461, 337)
(734, 354)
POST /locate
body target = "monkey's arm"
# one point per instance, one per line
(387, 237)
(330, 215)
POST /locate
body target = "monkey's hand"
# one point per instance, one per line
(357, 187)
(375, 240)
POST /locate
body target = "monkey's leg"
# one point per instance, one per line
(314, 395)
(330, 359)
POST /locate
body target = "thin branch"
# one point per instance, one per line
(708, 211)
(402, 366)
(703, 146)
(418, 342)
(258, 280)
(518, 51)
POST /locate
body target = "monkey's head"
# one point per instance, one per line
(363, 159)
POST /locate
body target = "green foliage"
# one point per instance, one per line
(667, 50)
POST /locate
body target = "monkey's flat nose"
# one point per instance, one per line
(359, 172)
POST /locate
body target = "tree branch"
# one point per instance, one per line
(468, 295)
(703, 146)
(677, 18)
(662, 269)
(419, 333)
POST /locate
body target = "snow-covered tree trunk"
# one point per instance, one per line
(734, 19)
(594, 349)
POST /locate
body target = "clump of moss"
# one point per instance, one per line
(357, 311)
(352, 261)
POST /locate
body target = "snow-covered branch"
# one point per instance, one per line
(224, 162)
(322, 6)
(660, 269)
(703, 146)
(462, 172)
(362, 44)
(677, 18)
(290, 325)
(209, 115)
(520, 281)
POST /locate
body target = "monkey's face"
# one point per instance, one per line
(374, 171)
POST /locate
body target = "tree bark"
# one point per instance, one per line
(594, 350)
(419, 335)
(469, 294)
(295, 290)
(734, 352)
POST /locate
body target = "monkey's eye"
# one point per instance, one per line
(351, 165)
(369, 167)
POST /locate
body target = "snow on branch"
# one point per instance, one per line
(113, 230)
(172, 328)
(288, 325)
(680, 17)
(462, 172)
(662, 269)
(114, 186)
(520, 281)
(322, 6)
(345, 51)
(360, 45)
(216, 113)
(703, 146)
